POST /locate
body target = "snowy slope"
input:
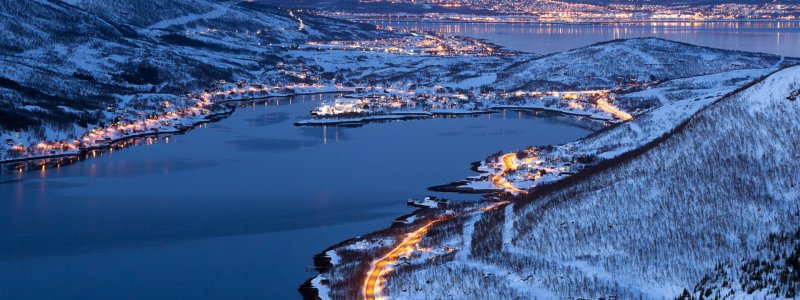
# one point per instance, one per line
(69, 66)
(772, 273)
(658, 110)
(467, 72)
(714, 193)
(653, 225)
(645, 60)
(82, 54)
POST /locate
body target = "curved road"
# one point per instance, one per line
(373, 285)
(500, 180)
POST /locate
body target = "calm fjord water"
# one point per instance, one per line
(236, 207)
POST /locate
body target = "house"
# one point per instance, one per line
(794, 95)
(428, 202)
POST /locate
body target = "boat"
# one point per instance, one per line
(428, 202)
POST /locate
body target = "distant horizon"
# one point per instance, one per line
(645, 10)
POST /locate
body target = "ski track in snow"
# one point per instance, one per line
(220, 10)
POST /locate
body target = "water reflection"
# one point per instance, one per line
(779, 38)
(239, 179)
(192, 173)
(43, 166)
(269, 119)
(269, 144)
(46, 164)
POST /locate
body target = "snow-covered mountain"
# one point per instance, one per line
(644, 60)
(712, 193)
(709, 209)
(63, 61)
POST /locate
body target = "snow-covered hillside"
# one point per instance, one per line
(712, 193)
(70, 60)
(468, 72)
(707, 199)
(773, 272)
(658, 109)
(633, 61)
(68, 67)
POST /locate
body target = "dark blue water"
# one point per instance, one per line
(780, 38)
(234, 209)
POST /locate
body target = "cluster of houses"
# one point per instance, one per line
(416, 43)
(168, 118)
(223, 91)
(518, 172)
(593, 103)
(392, 103)
(589, 103)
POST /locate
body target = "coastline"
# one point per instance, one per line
(425, 115)
(535, 192)
(207, 119)
(458, 186)
(212, 117)
(550, 110)
(388, 117)
(323, 263)
(585, 22)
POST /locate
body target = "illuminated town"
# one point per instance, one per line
(417, 43)
(168, 118)
(367, 103)
(387, 104)
(560, 11)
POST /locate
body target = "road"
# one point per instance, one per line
(373, 285)
(500, 180)
(602, 103)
